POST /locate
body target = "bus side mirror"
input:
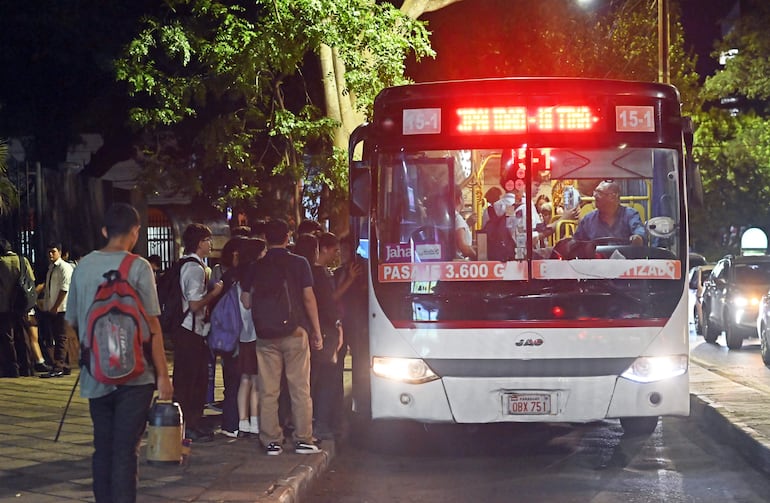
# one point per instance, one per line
(360, 189)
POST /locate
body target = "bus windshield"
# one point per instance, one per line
(435, 247)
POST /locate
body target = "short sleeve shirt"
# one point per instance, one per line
(57, 280)
(192, 280)
(627, 223)
(299, 276)
(86, 278)
(323, 287)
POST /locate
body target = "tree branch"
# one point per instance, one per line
(416, 8)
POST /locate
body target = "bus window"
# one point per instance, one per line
(417, 209)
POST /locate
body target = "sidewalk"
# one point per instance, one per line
(34, 468)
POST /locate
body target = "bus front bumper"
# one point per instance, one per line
(490, 400)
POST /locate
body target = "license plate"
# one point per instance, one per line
(528, 403)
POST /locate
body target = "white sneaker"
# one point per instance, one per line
(228, 433)
(254, 425)
(306, 448)
(245, 426)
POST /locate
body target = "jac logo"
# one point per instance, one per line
(533, 340)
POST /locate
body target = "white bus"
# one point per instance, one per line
(561, 330)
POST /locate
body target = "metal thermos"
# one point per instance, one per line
(165, 432)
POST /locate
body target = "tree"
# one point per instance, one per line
(239, 88)
(733, 149)
(341, 105)
(9, 196)
(246, 108)
(556, 38)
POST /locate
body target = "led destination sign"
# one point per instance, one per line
(522, 119)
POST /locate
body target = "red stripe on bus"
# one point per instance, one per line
(469, 324)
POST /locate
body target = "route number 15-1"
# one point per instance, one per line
(634, 119)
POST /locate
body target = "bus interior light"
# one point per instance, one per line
(408, 370)
(646, 369)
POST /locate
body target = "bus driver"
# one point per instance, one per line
(610, 219)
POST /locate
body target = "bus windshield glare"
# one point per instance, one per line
(433, 199)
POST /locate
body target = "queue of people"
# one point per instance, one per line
(263, 370)
(276, 385)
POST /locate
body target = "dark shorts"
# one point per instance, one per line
(247, 358)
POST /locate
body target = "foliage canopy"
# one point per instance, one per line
(732, 143)
(240, 87)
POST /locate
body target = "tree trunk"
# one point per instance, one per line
(340, 103)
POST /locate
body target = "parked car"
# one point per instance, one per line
(763, 328)
(732, 296)
(698, 277)
(697, 259)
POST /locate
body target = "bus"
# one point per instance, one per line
(561, 329)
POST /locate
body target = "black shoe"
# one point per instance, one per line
(42, 367)
(66, 372)
(199, 436)
(53, 373)
(215, 406)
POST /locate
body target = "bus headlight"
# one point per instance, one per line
(656, 368)
(408, 370)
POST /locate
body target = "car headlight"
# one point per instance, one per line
(408, 370)
(743, 301)
(656, 368)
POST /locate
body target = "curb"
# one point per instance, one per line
(289, 489)
(728, 429)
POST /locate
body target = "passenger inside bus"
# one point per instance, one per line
(463, 236)
(610, 219)
(513, 204)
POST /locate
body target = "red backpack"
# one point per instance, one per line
(117, 338)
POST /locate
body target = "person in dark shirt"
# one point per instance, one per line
(290, 352)
(325, 369)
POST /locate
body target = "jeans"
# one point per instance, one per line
(53, 333)
(232, 380)
(292, 354)
(119, 421)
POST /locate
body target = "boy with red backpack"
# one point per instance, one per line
(119, 402)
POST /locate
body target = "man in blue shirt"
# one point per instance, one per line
(610, 219)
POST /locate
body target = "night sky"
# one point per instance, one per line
(701, 20)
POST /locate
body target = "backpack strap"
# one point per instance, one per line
(182, 262)
(125, 265)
